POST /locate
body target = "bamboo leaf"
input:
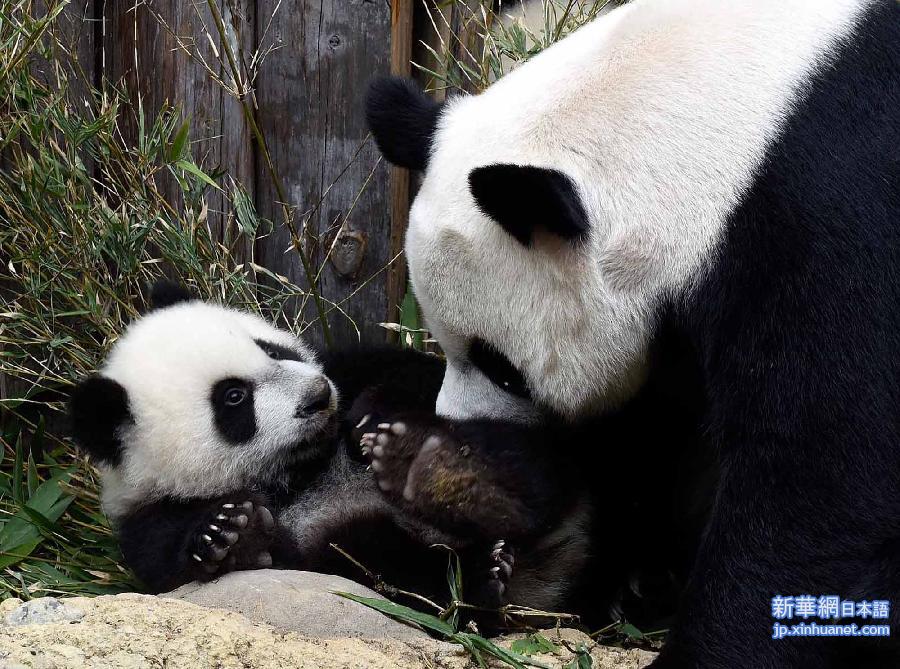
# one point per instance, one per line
(402, 613)
(176, 148)
(189, 167)
(533, 645)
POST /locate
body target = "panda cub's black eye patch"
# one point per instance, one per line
(278, 352)
(235, 416)
(498, 368)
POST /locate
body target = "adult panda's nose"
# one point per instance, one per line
(316, 398)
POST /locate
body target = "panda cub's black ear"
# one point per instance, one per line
(165, 293)
(523, 197)
(403, 120)
(98, 407)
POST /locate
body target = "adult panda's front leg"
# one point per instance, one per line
(172, 542)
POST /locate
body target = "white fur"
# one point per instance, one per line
(661, 111)
(168, 362)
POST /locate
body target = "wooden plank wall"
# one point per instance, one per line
(145, 47)
(308, 96)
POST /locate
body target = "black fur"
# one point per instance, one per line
(160, 540)
(411, 379)
(98, 408)
(278, 352)
(797, 329)
(497, 367)
(235, 422)
(491, 480)
(523, 198)
(403, 121)
(477, 476)
(164, 293)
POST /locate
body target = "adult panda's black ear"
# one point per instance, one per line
(522, 198)
(98, 407)
(165, 293)
(403, 120)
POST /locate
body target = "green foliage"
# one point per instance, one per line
(476, 645)
(53, 538)
(534, 644)
(582, 660)
(87, 221)
(98, 198)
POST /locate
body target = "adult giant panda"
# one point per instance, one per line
(225, 443)
(713, 186)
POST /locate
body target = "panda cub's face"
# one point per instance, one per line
(198, 399)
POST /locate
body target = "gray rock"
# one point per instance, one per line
(298, 601)
(43, 611)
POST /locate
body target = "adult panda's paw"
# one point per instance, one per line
(236, 536)
(499, 573)
(487, 587)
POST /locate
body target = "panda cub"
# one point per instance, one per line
(225, 443)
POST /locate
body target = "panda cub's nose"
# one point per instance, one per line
(317, 397)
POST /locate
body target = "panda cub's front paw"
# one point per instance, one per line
(421, 465)
(236, 536)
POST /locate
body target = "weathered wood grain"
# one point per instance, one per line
(308, 101)
(152, 48)
(79, 30)
(310, 106)
(402, 16)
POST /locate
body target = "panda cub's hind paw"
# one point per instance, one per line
(237, 536)
(390, 453)
(421, 465)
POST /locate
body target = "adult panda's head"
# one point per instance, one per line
(197, 399)
(561, 208)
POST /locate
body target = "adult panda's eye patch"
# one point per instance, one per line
(277, 351)
(497, 367)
